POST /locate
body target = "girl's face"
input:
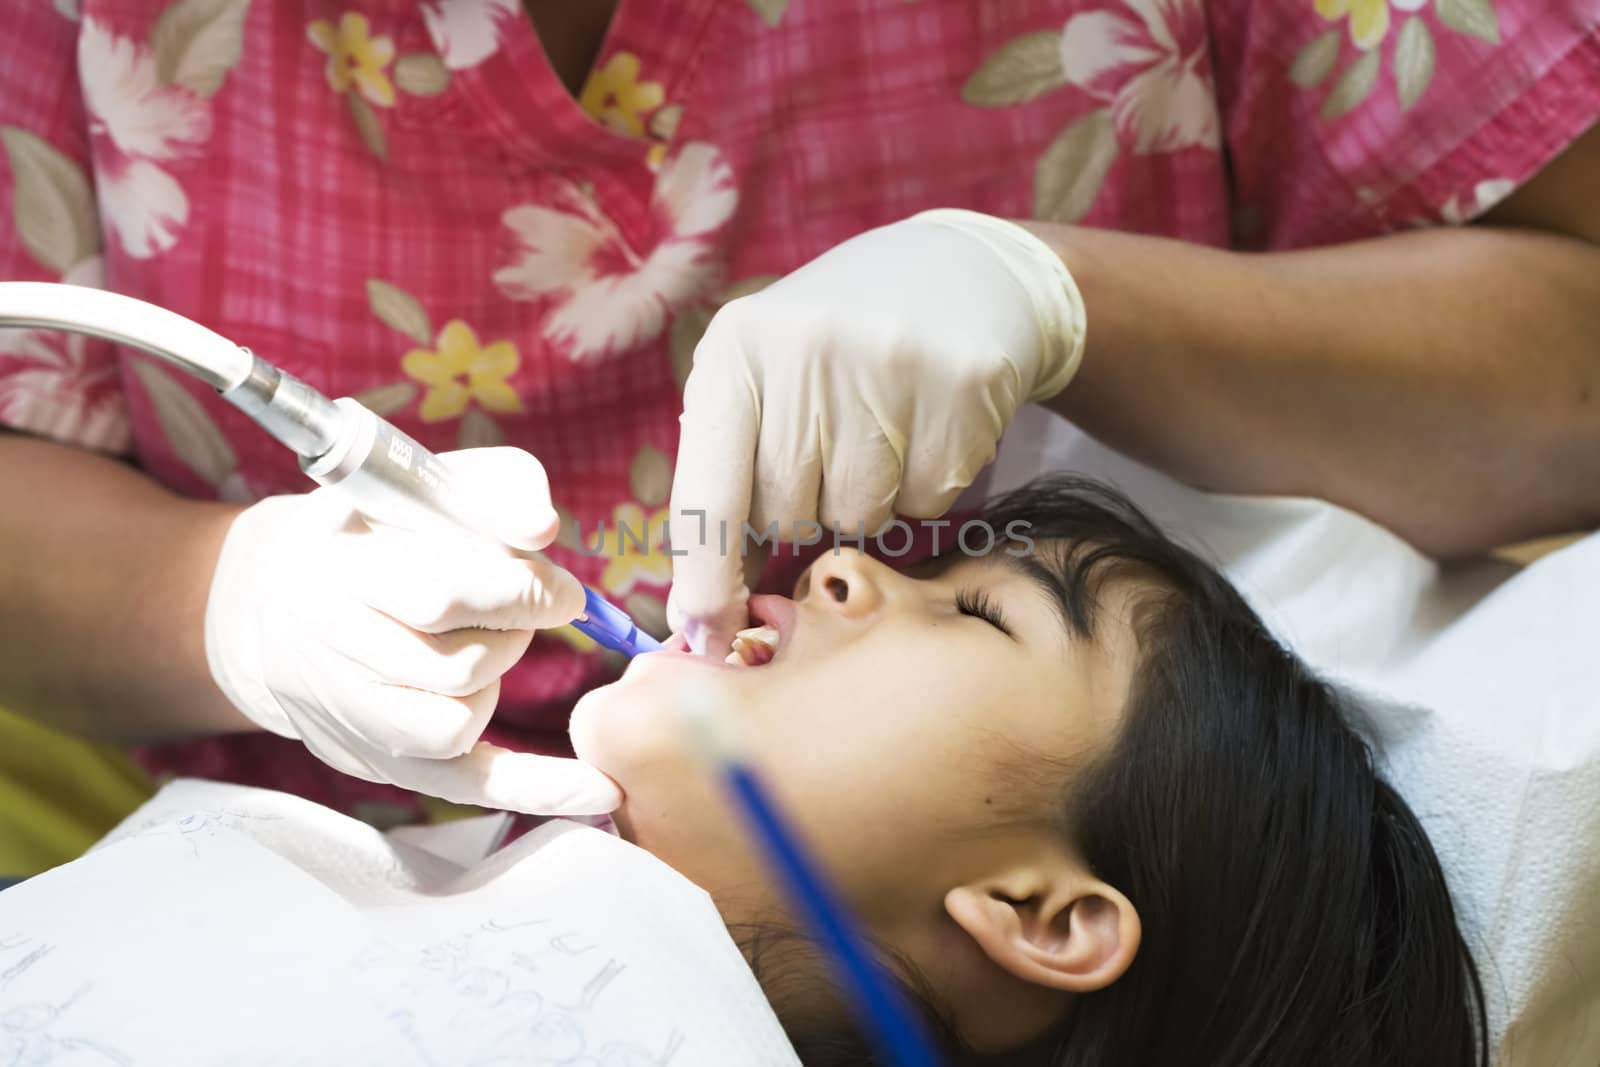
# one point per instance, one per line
(916, 730)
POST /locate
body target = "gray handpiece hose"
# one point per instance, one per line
(388, 476)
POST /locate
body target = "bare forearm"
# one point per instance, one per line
(1444, 382)
(103, 582)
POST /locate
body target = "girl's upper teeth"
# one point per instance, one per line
(754, 646)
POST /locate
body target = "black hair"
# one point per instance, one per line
(1293, 911)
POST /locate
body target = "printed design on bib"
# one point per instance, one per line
(149, 111)
(1412, 59)
(605, 294)
(1146, 62)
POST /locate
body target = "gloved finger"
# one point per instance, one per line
(929, 489)
(859, 484)
(397, 721)
(788, 471)
(946, 454)
(711, 490)
(508, 493)
(454, 663)
(434, 583)
(938, 467)
(494, 777)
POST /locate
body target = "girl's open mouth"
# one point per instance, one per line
(774, 618)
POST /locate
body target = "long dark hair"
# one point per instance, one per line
(1293, 910)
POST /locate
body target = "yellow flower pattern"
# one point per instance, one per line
(1369, 19)
(615, 97)
(355, 57)
(633, 546)
(635, 550)
(1411, 61)
(459, 372)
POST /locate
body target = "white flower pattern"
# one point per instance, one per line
(1485, 195)
(1150, 66)
(608, 296)
(61, 393)
(467, 32)
(137, 124)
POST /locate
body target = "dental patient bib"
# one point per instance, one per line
(227, 925)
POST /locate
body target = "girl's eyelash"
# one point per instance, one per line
(979, 604)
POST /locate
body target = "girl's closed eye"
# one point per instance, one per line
(979, 604)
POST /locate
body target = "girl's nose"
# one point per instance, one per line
(845, 581)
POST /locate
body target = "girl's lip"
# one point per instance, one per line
(777, 612)
(676, 648)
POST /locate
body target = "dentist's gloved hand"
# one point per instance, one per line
(876, 380)
(382, 649)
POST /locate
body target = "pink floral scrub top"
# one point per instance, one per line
(399, 201)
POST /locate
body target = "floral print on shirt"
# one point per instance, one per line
(1147, 60)
(355, 58)
(1144, 61)
(468, 31)
(1412, 59)
(358, 69)
(607, 294)
(459, 372)
(62, 391)
(149, 109)
(615, 97)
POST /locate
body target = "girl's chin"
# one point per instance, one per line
(615, 730)
(587, 728)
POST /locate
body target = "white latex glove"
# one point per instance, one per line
(382, 649)
(875, 380)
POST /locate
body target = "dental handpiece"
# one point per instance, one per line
(388, 475)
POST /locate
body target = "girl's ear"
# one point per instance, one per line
(1064, 930)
